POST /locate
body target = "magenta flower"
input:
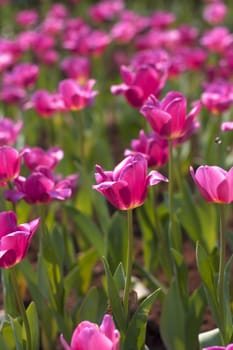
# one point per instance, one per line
(215, 13)
(10, 160)
(39, 187)
(26, 18)
(168, 118)
(76, 96)
(152, 147)
(14, 240)
(228, 347)
(227, 126)
(9, 131)
(217, 96)
(139, 83)
(22, 75)
(46, 104)
(126, 186)
(77, 68)
(214, 183)
(90, 336)
(105, 10)
(36, 157)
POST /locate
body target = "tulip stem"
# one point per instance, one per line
(129, 261)
(170, 193)
(21, 307)
(222, 252)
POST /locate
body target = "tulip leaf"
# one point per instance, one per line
(17, 332)
(116, 244)
(88, 228)
(33, 324)
(114, 299)
(93, 306)
(119, 277)
(210, 338)
(227, 300)
(135, 334)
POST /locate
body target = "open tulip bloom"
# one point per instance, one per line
(214, 183)
(228, 347)
(14, 240)
(126, 186)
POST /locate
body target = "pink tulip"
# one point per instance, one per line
(215, 13)
(9, 131)
(26, 18)
(90, 336)
(153, 147)
(168, 118)
(10, 160)
(126, 186)
(214, 183)
(46, 104)
(76, 96)
(14, 240)
(228, 347)
(227, 126)
(36, 157)
(39, 187)
(139, 83)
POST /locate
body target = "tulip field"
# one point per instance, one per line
(116, 175)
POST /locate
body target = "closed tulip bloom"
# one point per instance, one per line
(9, 131)
(168, 118)
(10, 160)
(126, 186)
(90, 336)
(14, 240)
(214, 183)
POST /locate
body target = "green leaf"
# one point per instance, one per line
(173, 319)
(119, 277)
(135, 334)
(88, 228)
(17, 332)
(93, 306)
(205, 268)
(33, 324)
(227, 300)
(116, 245)
(114, 299)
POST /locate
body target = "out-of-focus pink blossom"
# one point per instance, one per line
(227, 126)
(14, 239)
(39, 187)
(77, 68)
(217, 96)
(105, 10)
(23, 75)
(215, 12)
(36, 157)
(45, 103)
(216, 347)
(11, 94)
(152, 147)
(26, 18)
(162, 19)
(219, 39)
(76, 96)
(9, 131)
(139, 83)
(90, 336)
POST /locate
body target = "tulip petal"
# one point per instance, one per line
(8, 222)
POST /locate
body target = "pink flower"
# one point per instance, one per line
(90, 336)
(46, 104)
(22, 75)
(9, 131)
(228, 347)
(168, 118)
(215, 13)
(214, 183)
(227, 126)
(126, 186)
(139, 83)
(26, 18)
(36, 157)
(10, 160)
(77, 68)
(39, 187)
(76, 96)
(218, 96)
(106, 10)
(152, 147)
(14, 240)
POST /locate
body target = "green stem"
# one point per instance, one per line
(129, 261)
(220, 287)
(21, 308)
(170, 193)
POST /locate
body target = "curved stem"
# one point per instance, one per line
(21, 308)
(129, 261)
